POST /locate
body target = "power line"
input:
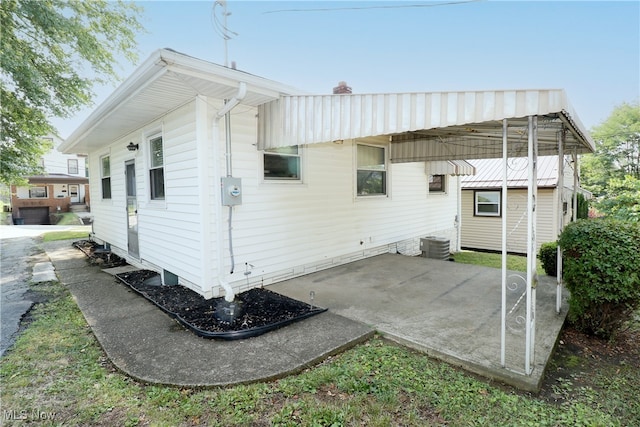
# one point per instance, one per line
(397, 6)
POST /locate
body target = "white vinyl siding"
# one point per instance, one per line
(282, 230)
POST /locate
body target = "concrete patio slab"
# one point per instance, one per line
(448, 310)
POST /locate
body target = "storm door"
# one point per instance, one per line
(74, 193)
(132, 208)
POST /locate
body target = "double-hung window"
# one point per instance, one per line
(371, 170)
(487, 203)
(156, 168)
(105, 175)
(282, 164)
(72, 166)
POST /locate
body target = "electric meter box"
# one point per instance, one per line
(231, 191)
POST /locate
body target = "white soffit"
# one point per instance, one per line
(425, 126)
(164, 82)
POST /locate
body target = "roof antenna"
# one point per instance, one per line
(220, 26)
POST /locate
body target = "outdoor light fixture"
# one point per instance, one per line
(132, 146)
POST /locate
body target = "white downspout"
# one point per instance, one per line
(226, 109)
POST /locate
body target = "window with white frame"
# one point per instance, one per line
(105, 176)
(72, 166)
(39, 192)
(437, 183)
(156, 168)
(487, 203)
(371, 170)
(282, 164)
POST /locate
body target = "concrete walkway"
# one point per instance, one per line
(148, 345)
(450, 311)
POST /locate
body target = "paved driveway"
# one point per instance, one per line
(19, 250)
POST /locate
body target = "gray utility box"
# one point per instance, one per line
(435, 247)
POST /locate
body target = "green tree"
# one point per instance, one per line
(617, 149)
(52, 54)
(622, 200)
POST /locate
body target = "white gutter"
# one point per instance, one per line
(224, 112)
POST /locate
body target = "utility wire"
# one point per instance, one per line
(396, 6)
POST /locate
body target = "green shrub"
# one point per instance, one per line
(601, 268)
(583, 207)
(548, 256)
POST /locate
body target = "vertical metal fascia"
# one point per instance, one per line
(560, 198)
(531, 242)
(503, 211)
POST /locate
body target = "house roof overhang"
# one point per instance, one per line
(57, 179)
(164, 82)
(428, 126)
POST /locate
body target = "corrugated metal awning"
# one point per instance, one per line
(425, 126)
(449, 167)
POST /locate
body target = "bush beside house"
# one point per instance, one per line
(601, 265)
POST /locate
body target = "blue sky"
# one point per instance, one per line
(590, 49)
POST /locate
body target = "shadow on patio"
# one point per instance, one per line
(448, 310)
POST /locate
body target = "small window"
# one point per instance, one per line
(282, 163)
(105, 175)
(38, 192)
(436, 183)
(372, 171)
(487, 203)
(72, 166)
(156, 168)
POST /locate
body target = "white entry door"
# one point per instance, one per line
(74, 193)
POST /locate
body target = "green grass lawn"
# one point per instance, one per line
(57, 369)
(65, 235)
(514, 262)
(68, 218)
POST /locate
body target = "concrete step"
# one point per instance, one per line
(78, 208)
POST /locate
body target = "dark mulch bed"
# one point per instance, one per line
(98, 255)
(252, 313)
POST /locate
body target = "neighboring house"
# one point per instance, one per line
(63, 185)
(222, 180)
(482, 203)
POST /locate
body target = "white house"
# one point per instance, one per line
(63, 185)
(482, 203)
(223, 180)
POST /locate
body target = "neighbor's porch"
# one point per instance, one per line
(448, 310)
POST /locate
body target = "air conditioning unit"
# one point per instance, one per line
(435, 247)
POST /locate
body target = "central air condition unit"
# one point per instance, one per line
(435, 248)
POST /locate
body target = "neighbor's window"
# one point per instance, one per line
(38, 192)
(282, 163)
(72, 166)
(105, 175)
(372, 171)
(487, 203)
(156, 168)
(436, 184)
